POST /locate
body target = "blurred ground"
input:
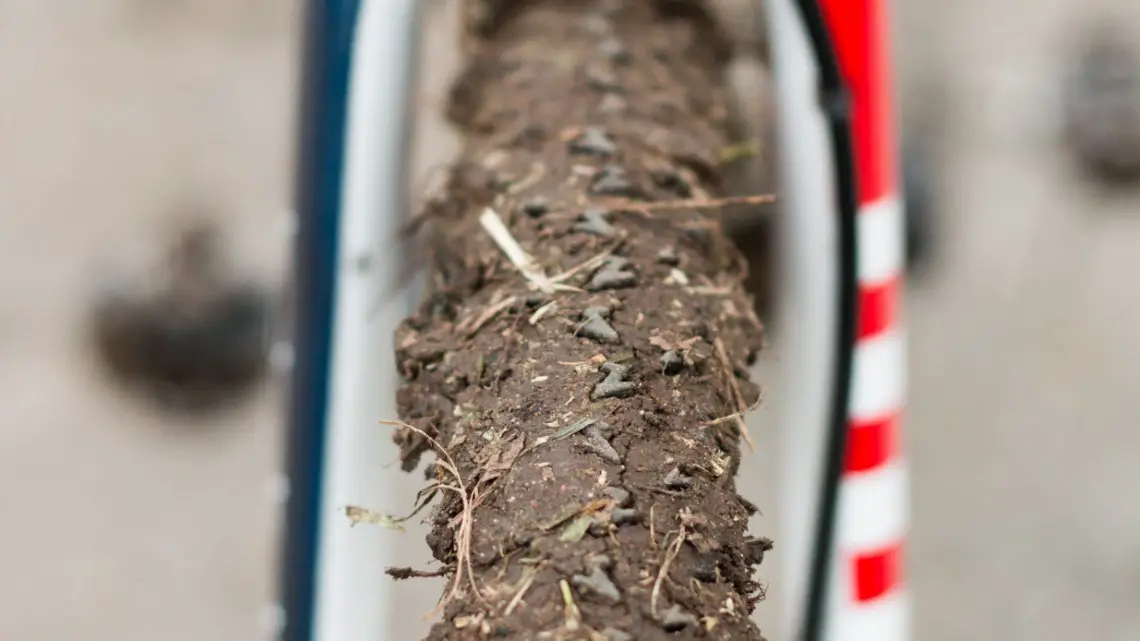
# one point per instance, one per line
(112, 527)
(1024, 353)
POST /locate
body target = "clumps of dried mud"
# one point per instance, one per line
(579, 367)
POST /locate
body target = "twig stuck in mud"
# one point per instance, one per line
(573, 615)
(583, 266)
(652, 532)
(736, 415)
(493, 224)
(537, 171)
(690, 203)
(542, 312)
(463, 561)
(737, 397)
(529, 573)
(569, 430)
(486, 316)
(670, 554)
(401, 574)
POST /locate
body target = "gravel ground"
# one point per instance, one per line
(121, 524)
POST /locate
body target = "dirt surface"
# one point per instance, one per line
(583, 409)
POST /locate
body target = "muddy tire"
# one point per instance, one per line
(580, 365)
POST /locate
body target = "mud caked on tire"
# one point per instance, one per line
(580, 365)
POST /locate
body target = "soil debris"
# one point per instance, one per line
(675, 480)
(672, 362)
(542, 312)
(612, 275)
(599, 583)
(614, 385)
(668, 256)
(495, 227)
(188, 333)
(535, 516)
(676, 277)
(598, 444)
(612, 180)
(595, 220)
(566, 431)
(755, 549)
(596, 327)
(536, 207)
(577, 528)
(676, 619)
(573, 616)
(693, 203)
(593, 141)
(620, 495)
(624, 516)
(599, 561)
(401, 574)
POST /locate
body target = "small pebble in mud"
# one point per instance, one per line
(668, 256)
(593, 141)
(596, 327)
(675, 480)
(595, 221)
(624, 516)
(613, 634)
(536, 207)
(675, 619)
(534, 300)
(620, 495)
(612, 181)
(672, 362)
(612, 275)
(598, 444)
(614, 51)
(598, 583)
(614, 385)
